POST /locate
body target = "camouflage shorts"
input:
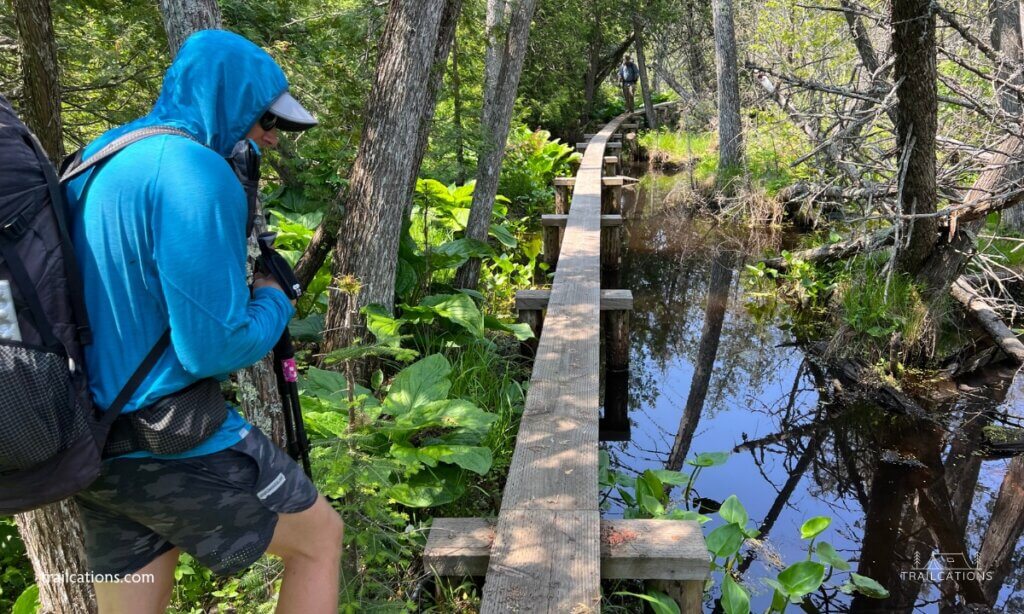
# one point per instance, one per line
(220, 508)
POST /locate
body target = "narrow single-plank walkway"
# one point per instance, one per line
(546, 553)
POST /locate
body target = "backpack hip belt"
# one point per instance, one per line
(175, 423)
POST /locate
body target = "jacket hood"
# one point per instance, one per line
(217, 87)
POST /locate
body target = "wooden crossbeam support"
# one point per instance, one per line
(667, 550)
(559, 220)
(611, 300)
(629, 126)
(611, 166)
(614, 137)
(608, 145)
(616, 180)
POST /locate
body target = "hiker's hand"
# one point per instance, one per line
(267, 281)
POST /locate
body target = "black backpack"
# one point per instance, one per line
(50, 436)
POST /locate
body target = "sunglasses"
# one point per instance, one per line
(268, 121)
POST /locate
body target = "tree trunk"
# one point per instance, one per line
(730, 128)
(457, 113)
(998, 547)
(183, 17)
(707, 351)
(641, 62)
(508, 31)
(591, 81)
(380, 184)
(696, 26)
(1006, 39)
(41, 75)
(916, 124)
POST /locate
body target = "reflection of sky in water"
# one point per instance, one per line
(751, 387)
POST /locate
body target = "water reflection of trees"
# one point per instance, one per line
(914, 480)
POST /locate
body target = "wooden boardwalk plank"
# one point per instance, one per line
(546, 556)
(614, 299)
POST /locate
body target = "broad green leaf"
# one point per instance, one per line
(455, 415)
(709, 459)
(385, 328)
(332, 388)
(325, 424)
(733, 511)
(521, 330)
(660, 602)
(456, 252)
(814, 527)
(801, 579)
(654, 486)
(828, 555)
(503, 235)
(472, 458)
(307, 329)
(28, 601)
(430, 488)
(725, 541)
(735, 599)
(869, 587)
(459, 309)
(651, 505)
(422, 382)
(688, 515)
(671, 478)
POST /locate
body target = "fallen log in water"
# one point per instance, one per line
(982, 311)
(836, 251)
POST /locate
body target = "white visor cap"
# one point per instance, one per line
(291, 115)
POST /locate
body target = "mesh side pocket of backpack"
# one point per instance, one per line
(40, 414)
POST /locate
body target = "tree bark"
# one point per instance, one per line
(183, 17)
(916, 125)
(366, 246)
(1006, 39)
(730, 128)
(508, 32)
(1004, 529)
(641, 62)
(41, 74)
(457, 113)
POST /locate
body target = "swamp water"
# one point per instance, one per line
(706, 376)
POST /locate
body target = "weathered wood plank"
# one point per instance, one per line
(616, 180)
(607, 145)
(611, 300)
(630, 549)
(560, 220)
(544, 561)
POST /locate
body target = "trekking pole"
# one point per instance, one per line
(271, 263)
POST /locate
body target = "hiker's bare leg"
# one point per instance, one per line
(309, 543)
(150, 597)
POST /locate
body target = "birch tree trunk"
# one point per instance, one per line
(730, 128)
(641, 62)
(183, 17)
(52, 534)
(913, 44)
(40, 73)
(380, 184)
(508, 31)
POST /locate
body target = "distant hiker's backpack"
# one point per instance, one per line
(50, 437)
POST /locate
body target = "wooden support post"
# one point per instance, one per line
(688, 594)
(535, 318)
(552, 245)
(614, 424)
(562, 190)
(611, 166)
(611, 250)
(617, 340)
(611, 200)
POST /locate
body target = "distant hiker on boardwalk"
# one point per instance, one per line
(160, 230)
(628, 75)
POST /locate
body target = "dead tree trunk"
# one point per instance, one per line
(183, 17)
(730, 127)
(916, 125)
(366, 246)
(40, 73)
(641, 62)
(508, 31)
(1004, 529)
(1006, 39)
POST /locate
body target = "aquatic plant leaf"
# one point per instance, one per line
(814, 527)
(422, 382)
(735, 599)
(671, 478)
(660, 602)
(800, 579)
(828, 555)
(868, 587)
(708, 459)
(725, 541)
(733, 511)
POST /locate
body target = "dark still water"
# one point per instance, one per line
(706, 377)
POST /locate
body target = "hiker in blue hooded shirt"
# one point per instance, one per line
(159, 229)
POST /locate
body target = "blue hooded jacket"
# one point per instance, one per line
(160, 235)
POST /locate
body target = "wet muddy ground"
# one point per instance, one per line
(706, 376)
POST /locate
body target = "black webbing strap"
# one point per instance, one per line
(74, 274)
(77, 167)
(134, 382)
(27, 289)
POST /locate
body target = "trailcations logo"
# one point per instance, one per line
(944, 566)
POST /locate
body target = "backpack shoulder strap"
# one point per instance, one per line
(76, 166)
